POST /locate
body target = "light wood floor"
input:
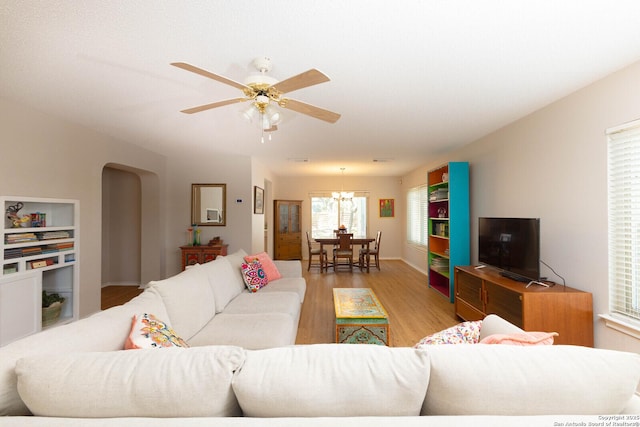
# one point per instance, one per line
(414, 309)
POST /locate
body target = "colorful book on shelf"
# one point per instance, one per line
(47, 235)
(20, 238)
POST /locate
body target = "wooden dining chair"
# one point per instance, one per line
(373, 252)
(343, 250)
(315, 251)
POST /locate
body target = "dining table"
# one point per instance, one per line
(333, 241)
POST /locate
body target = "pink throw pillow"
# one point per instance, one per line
(267, 263)
(521, 338)
(149, 332)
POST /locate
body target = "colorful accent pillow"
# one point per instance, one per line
(268, 265)
(462, 333)
(523, 338)
(253, 275)
(149, 332)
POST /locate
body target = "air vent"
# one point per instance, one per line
(299, 160)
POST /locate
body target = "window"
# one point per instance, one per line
(327, 214)
(624, 219)
(417, 208)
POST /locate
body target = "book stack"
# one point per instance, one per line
(55, 247)
(48, 235)
(440, 264)
(20, 238)
(21, 252)
(12, 253)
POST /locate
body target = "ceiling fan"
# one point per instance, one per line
(263, 91)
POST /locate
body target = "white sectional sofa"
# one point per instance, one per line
(205, 304)
(78, 375)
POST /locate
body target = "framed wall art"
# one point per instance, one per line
(387, 208)
(258, 200)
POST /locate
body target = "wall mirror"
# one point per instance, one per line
(209, 204)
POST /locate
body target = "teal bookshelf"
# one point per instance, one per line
(448, 224)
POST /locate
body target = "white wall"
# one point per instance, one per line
(184, 169)
(553, 165)
(46, 157)
(299, 188)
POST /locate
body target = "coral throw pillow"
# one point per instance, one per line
(462, 333)
(253, 275)
(149, 332)
(268, 265)
(522, 338)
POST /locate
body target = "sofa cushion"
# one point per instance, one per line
(235, 259)
(189, 300)
(296, 285)
(253, 275)
(538, 380)
(104, 331)
(224, 281)
(288, 268)
(267, 264)
(171, 383)
(147, 331)
(265, 302)
(494, 324)
(250, 331)
(334, 380)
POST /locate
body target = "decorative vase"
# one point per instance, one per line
(190, 236)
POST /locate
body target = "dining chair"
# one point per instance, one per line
(315, 251)
(343, 250)
(375, 253)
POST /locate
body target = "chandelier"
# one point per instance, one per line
(342, 195)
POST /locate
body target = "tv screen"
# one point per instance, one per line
(512, 245)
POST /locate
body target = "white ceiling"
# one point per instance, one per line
(412, 79)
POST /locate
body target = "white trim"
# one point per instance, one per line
(626, 126)
(626, 326)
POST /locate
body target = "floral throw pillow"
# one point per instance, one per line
(462, 333)
(149, 332)
(254, 275)
(267, 263)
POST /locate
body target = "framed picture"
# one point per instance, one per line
(387, 208)
(258, 200)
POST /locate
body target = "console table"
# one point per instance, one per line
(564, 310)
(200, 254)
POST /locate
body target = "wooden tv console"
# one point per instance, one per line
(564, 310)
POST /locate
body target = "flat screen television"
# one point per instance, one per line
(511, 245)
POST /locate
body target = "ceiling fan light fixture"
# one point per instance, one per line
(249, 113)
(273, 115)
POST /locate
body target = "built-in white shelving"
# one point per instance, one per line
(41, 253)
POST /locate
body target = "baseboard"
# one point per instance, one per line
(104, 285)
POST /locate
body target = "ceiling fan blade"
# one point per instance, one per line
(302, 80)
(310, 110)
(213, 105)
(209, 74)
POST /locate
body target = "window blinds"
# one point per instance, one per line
(624, 219)
(417, 215)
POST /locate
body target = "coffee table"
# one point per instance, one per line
(360, 318)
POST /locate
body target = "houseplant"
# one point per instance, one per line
(51, 308)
